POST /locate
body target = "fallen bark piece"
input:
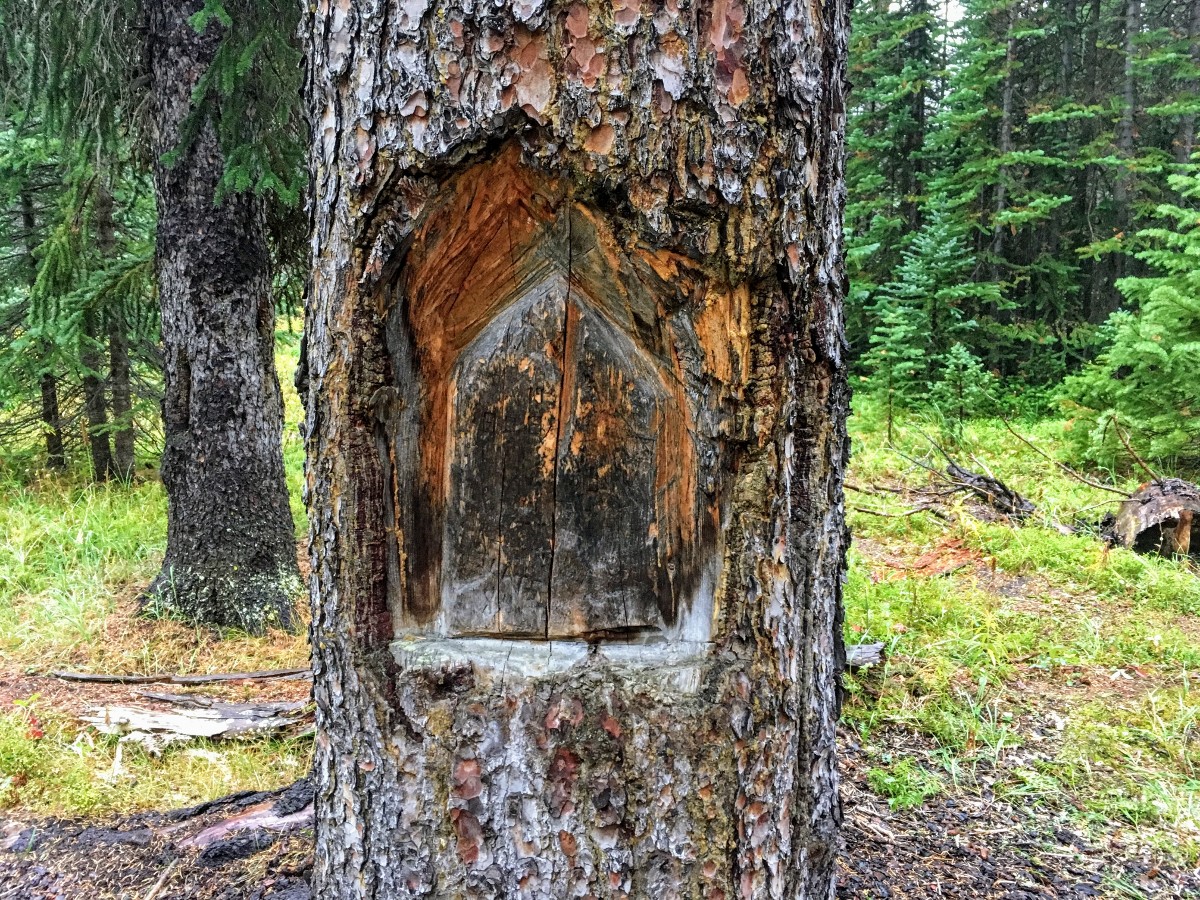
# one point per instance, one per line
(992, 491)
(194, 717)
(859, 656)
(272, 675)
(1162, 517)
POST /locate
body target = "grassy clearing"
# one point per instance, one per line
(1025, 664)
(1039, 667)
(73, 557)
(48, 765)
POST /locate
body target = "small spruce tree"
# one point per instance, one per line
(1144, 385)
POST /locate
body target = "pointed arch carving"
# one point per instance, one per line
(550, 479)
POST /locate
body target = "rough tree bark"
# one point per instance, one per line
(1185, 142)
(122, 397)
(231, 556)
(95, 404)
(575, 424)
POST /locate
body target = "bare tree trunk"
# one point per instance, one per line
(1123, 184)
(121, 460)
(56, 457)
(122, 397)
(1185, 144)
(1070, 26)
(575, 431)
(1000, 203)
(95, 404)
(230, 556)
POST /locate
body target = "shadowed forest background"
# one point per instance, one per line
(1023, 252)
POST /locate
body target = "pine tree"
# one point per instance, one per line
(1144, 386)
(895, 65)
(221, 80)
(925, 310)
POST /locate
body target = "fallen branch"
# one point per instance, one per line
(272, 675)
(912, 511)
(194, 717)
(1067, 470)
(994, 492)
(1154, 476)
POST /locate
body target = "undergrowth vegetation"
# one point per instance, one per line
(73, 557)
(1024, 663)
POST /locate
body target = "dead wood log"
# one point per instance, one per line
(992, 491)
(1162, 517)
(215, 678)
(860, 656)
(194, 717)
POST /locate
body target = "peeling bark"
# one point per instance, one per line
(230, 558)
(576, 294)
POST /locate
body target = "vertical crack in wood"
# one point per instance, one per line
(566, 387)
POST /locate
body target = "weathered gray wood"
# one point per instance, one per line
(860, 656)
(500, 521)
(605, 567)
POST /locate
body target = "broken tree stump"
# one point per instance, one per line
(1162, 517)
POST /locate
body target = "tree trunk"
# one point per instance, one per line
(1185, 144)
(95, 404)
(1068, 35)
(1005, 145)
(576, 432)
(121, 429)
(122, 397)
(56, 457)
(230, 557)
(1123, 183)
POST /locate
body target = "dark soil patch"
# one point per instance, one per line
(968, 847)
(153, 855)
(950, 847)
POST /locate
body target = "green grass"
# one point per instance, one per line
(48, 764)
(73, 557)
(1042, 666)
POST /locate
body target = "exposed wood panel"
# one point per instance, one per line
(605, 564)
(694, 152)
(500, 515)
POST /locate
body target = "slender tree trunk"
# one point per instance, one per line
(95, 404)
(56, 457)
(122, 397)
(1069, 35)
(230, 556)
(575, 432)
(1005, 144)
(1123, 183)
(1185, 144)
(121, 428)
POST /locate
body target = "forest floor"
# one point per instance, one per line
(1034, 730)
